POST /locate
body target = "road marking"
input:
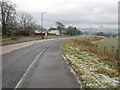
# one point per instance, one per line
(71, 69)
(26, 75)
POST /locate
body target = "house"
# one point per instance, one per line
(55, 32)
(39, 33)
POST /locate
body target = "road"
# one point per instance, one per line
(51, 71)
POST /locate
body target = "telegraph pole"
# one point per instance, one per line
(42, 23)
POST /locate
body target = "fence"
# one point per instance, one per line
(107, 53)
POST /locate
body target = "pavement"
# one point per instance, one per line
(52, 71)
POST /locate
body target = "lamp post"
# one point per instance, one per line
(42, 22)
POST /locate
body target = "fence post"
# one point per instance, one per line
(104, 50)
(82, 46)
(96, 48)
(112, 51)
(118, 59)
(118, 56)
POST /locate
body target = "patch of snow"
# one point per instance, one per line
(89, 64)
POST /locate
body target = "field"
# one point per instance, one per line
(104, 47)
(109, 43)
(93, 71)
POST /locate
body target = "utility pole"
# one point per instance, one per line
(42, 23)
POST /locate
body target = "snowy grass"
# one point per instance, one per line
(92, 71)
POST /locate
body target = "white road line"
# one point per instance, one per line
(71, 69)
(23, 79)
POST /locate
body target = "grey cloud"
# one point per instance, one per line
(103, 13)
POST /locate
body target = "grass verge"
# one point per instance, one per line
(92, 70)
(16, 38)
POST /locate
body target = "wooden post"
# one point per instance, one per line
(82, 46)
(104, 50)
(118, 55)
(112, 51)
(118, 59)
(96, 48)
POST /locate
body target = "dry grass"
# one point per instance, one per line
(94, 70)
(87, 45)
(16, 38)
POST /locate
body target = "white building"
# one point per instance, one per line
(57, 32)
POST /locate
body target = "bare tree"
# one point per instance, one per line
(25, 20)
(26, 23)
(8, 14)
(0, 21)
(60, 27)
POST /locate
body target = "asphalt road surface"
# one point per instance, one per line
(51, 71)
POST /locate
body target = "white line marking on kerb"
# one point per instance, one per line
(28, 70)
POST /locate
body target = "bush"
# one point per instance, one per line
(13, 38)
(23, 32)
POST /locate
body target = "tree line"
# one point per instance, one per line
(70, 30)
(107, 34)
(15, 23)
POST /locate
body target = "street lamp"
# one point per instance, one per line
(42, 22)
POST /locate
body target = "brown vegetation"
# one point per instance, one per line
(87, 45)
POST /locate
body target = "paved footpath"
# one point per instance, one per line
(52, 71)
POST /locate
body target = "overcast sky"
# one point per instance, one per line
(79, 13)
